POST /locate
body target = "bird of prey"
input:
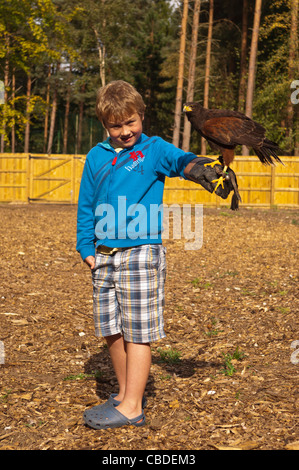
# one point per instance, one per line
(225, 129)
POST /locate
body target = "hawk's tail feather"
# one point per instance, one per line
(236, 196)
(267, 152)
(234, 205)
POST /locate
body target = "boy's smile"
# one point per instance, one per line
(125, 133)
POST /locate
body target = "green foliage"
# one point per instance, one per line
(273, 83)
(85, 42)
(82, 376)
(229, 361)
(169, 355)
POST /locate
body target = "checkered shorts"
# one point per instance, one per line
(128, 293)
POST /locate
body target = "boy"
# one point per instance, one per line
(121, 243)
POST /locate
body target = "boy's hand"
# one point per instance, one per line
(90, 261)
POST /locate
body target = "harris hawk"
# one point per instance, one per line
(224, 130)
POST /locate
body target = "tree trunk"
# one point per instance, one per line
(47, 111)
(293, 72)
(53, 117)
(27, 125)
(179, 92)
(13, 127)
(252, 64)
(191, 75)
(102, 54)
(52, 122)
(66, 114)
(66, 122)
(207, 71)
(101, 48)
(80, 123)
(243, 67)
(6, 79)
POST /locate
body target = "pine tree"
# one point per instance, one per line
(191, 73)
(252, 63)
(179, 94)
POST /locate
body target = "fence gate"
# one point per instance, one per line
(54, 178)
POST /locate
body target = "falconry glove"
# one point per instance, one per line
(207, 176)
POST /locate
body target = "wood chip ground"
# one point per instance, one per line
(226, 375)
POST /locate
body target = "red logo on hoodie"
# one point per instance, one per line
(135, 155)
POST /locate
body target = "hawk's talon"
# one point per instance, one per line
(219, 182)
(212, 164)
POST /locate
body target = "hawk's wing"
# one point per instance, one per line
(232, 131)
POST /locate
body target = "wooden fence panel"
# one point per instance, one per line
(56, 178)
(40, 178)
(13, 177)
(259, 185)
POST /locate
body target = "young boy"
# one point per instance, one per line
(120, 240)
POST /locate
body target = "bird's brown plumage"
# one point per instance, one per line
(225, 129)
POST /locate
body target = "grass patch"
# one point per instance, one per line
(230, 360)
(197, 282)
(4, 397)
(82, 376)
(169, 355)
(212, 326)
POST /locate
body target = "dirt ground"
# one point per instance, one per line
(226, 375)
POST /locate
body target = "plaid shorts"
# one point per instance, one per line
(128, 293)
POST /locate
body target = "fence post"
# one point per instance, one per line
(73, 177)
(30, 181)
(272, 190)
(27, 195)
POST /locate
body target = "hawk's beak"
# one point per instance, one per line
(187, 108)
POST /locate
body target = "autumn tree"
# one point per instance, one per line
(28, 28)
(54, 54)
(243, 57)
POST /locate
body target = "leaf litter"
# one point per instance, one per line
(231, 314)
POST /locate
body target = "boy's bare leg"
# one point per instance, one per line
(131, 363)
(137, 372)
(117, 350)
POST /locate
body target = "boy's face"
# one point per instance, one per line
(125, 133)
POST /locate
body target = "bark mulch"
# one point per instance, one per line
(226, 375)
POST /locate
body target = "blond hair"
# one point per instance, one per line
(117, 101)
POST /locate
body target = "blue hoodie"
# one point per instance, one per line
(120, 199)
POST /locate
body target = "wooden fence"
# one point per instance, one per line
(56, 179)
